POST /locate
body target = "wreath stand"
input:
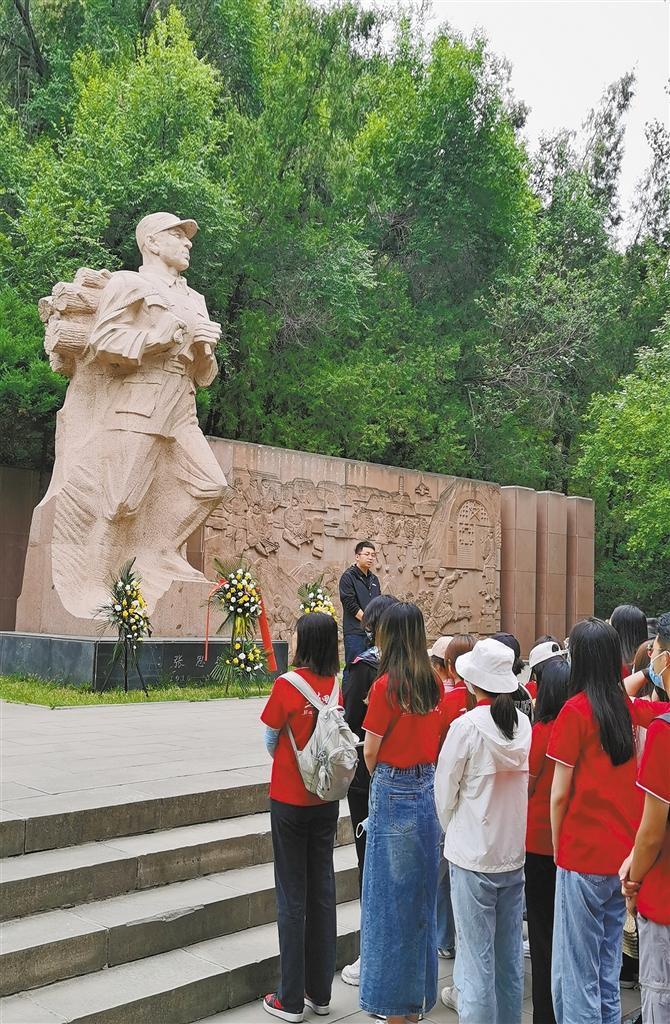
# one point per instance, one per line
(127, 656)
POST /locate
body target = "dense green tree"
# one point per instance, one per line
(397, 280)
(624, 466)
(30, 394)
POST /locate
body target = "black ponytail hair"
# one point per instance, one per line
(503, 712)
(595, 669)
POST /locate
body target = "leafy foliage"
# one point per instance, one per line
(399, 278)
(624, 465)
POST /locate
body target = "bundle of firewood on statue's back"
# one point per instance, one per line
(68, 314)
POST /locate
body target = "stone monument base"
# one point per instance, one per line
(177, 612)
(84, 660)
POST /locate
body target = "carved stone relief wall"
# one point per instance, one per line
(296, 517)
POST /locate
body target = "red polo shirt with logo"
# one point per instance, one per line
(413, 739)
(286, 706)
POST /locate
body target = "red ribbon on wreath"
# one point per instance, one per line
(267, 639)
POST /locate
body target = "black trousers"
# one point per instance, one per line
(358, 800)
(540, 890)
(302, 841)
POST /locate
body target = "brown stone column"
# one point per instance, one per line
(518, 563)
(550, 595)
(580, 559)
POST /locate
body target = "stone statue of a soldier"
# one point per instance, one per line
(134, 476)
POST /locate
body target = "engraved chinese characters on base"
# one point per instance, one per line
(134, 476)
(296, 517)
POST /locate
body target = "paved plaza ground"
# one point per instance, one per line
(62, 761)
(59, 758)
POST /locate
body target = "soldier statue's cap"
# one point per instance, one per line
(155, 222)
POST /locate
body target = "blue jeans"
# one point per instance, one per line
(586, 960)
(446, 938)
(398, 935)
(488, 973)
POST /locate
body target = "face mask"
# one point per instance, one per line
(469, 687)
(655, 678)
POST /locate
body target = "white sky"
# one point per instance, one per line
(565, 52)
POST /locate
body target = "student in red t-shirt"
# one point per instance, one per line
(404, 729)
(303, 832)
(645, 874)
(595, 811)
(540, 869)
(457, 701)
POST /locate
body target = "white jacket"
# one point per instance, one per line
(481, 792)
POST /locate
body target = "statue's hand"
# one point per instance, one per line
(168, 330)
(207, 333)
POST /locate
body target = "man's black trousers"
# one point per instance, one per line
(302, 840)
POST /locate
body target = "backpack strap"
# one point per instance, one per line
(303, 687)
(310, 695)
(334, 695)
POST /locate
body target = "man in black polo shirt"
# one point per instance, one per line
(358, 585)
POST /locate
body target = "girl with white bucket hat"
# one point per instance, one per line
(481, 794)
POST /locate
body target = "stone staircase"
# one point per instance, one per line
(157, 910)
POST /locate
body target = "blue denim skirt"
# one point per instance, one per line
(398, 915)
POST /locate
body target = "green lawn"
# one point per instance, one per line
(32, 690)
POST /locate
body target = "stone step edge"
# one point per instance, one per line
(179, 987)
(58, 828)
(76, 945)
(81, 874)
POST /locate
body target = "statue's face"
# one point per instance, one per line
(173, 247)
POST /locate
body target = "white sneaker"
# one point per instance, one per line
(449, 997)
(322, 1009)
(351, 975)
(526, 948)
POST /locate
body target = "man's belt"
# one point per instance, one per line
(171, 364)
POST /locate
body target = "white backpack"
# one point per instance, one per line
(327, 762)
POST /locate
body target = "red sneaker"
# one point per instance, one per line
(272, 1004)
